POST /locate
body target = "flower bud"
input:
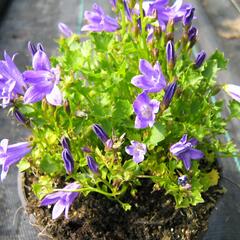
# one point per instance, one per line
(169, 93)
(19, 116)
(127, 10)
(192, 35)
(100, 133)
(66, 106)
(65, 142)
(86, 149)
(65, 30)
(183, 180)
(170, 52)
(200, 59)
(93, 166)
(188, 17)
(68, 160)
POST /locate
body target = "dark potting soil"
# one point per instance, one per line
(153, 217)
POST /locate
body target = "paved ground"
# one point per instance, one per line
(37, 21)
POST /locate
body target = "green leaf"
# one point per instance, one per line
(50, 165)
(23, 165)
(158, 134)
(43, 187)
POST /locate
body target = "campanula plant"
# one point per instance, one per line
(124, 101)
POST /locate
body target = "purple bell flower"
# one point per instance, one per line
(65, 30)
(137, 150)
(200, 59)
(145, 109)
(188, 17)
(61, 200)
(12, 154)
(43, 80)
(184, 151)
(11, 80)
(100, 133)
(166, 13)
(99, 21)
(152, 78)
(169, 93)
(68, 160)
(170, 52)
(93, 166)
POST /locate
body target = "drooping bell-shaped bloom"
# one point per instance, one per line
(100, 133)
(11, 80)
(32, 48)
(43, 81)
(170, 53)
(188, 17)
(233, 91)
(152, 78)
(12, 154)
(169, 93)
(166, 13)
(184, 151)
(62, 200)
(145, 109)
(65, 30)
(200, 59)
(137, 150)
(92, 164)
(99, 21)
(68, 160)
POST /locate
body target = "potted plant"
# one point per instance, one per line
(125, 132)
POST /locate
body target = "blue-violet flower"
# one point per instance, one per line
(184, 151)
(152, 78)
(62, 200)
(11, 154)
(145, 109)
(137, 150)
(43, 80)
(99, 21)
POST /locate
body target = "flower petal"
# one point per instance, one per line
(55, 96)
(145, 67)
(196, 154)
(35, 94)
(58, 209)
(41, 61)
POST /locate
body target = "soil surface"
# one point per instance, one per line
(153, 217)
